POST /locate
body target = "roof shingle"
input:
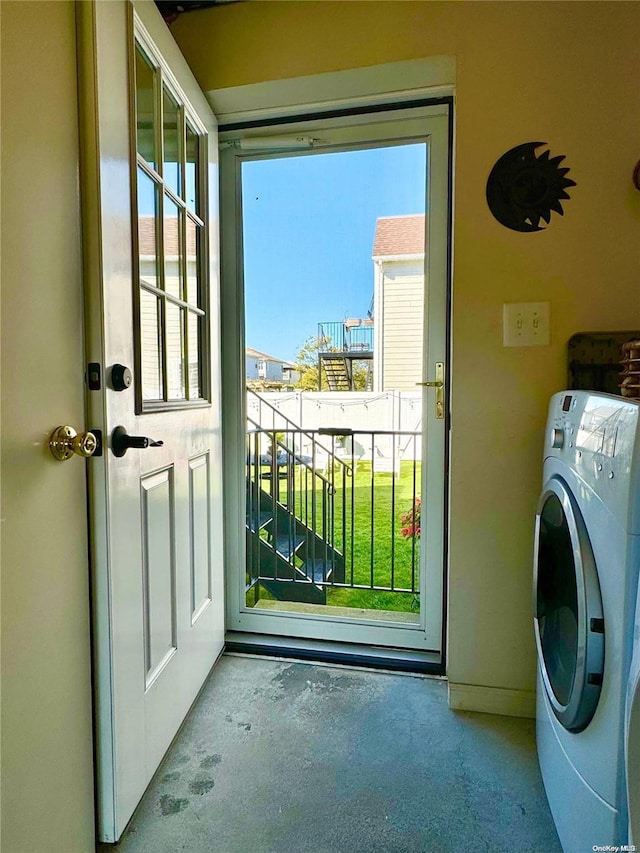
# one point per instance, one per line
(399, 235)
(255, 353)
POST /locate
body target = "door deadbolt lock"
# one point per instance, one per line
(64, 442)
(121, 377)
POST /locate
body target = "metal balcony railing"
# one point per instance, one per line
(331, 509)
(352, 336)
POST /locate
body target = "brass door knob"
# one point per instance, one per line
(64, 442)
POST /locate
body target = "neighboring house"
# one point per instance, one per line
(398, 300)
(267, 371)
(290, 373)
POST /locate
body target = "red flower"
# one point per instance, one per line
(410, 521)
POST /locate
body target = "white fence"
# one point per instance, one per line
(366, 411)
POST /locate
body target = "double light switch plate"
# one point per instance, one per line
(526, 324)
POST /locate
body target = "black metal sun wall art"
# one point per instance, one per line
(524, 188)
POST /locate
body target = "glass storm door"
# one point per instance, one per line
(150, 211)
(336, 248)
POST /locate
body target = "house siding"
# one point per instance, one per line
(274, 371)
(250, 367)
(402, 332)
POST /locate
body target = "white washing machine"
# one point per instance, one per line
(587, 556)
(632, 736)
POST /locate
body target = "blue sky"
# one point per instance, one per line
(309, 223)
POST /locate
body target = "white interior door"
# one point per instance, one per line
(151, 264)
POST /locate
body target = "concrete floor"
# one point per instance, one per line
(283, 757)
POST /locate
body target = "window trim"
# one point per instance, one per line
(165, 79)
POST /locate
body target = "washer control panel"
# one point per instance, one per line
(561, 424)
(588, 422)
(598, 437)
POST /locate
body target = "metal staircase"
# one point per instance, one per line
(341, 345)
(294, 563)
(338, 371)
(293, 540)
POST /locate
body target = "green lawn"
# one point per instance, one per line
(375, 552)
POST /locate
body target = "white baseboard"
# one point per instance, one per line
(492, 700)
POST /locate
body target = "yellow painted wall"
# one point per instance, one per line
(566, 73)
(47, 779)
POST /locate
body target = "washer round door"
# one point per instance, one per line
(568, 615)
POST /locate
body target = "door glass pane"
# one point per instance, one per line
(557, 599)
(147, 236)
(146, 109)
(169, 240)
(194, 367)
(192, 171)
(334, 321)
(192, 262)
(175, 352)
(171, 142)
(150, 347)
(172, 248)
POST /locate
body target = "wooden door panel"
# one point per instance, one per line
(200, 534)
(150, 194)
(158, 571)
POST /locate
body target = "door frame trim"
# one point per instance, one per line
(392, 82)
(287, 108)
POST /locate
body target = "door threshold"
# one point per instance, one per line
(323, 651)
(406, 617)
